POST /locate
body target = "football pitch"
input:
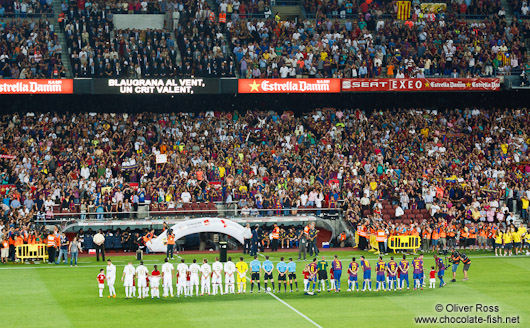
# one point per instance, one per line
(43, 295)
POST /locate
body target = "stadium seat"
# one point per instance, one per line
(117, 242)
(88, 243)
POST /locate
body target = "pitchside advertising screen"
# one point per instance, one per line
(427, 84)
(156, 86)
(289, 85)
(17, 87)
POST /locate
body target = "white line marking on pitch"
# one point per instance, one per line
(290, 307)
(295, 310)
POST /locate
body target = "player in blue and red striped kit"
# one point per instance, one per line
(353, 269)
(336, 265)
(392, 269)
(313, 270)
(404, 273)
(417, 274)
(380, 269)
(441, 269)
(367, 275)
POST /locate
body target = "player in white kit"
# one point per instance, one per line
(168, 271)
(111, 278)
(194, 277)
(206, 271)
(217, 281)
(182, 270)
(141, 273)
(230, 269)
(128, 279)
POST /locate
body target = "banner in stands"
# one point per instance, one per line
(427, 84)
(17, 87)
(189, 227)
(161, 158)
(6, 187)
(8, 156)
(156, 86)
(433, 8)
(289, 85)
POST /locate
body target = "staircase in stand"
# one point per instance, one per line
(65, 56)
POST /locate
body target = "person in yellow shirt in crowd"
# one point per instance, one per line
(516, 236)
(507, 239)
(498, 242)
(526, 238)
(242, 269)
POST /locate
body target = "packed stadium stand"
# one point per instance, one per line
(342, 39)
(25, 9)
(30, 49)
(327, 158)
(438, 48)
(203, 47)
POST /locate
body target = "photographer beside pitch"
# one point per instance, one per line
(467, 264)
(455, 259)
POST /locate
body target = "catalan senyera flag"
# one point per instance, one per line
(403, 10)
(506, 58)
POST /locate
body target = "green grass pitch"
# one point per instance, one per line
(44, 295)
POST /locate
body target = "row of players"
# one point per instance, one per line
(315, 273)
(389, 274)
(187, 277)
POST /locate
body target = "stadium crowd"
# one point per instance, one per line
(378, 48)
(123, 7)
(369, 8)
(150, 53)
(236, 10)
(327, 158)
(25, 8)
(203, 47)
(369, 43)
(30, 49)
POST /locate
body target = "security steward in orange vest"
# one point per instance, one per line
(362, 233)
(380, 237)
(50, 242)
(148, 236)
(19, 241)
(170, 243)
(275, 238)
(342, 238)
(425, 238)
(12, 247)
(451, 236)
